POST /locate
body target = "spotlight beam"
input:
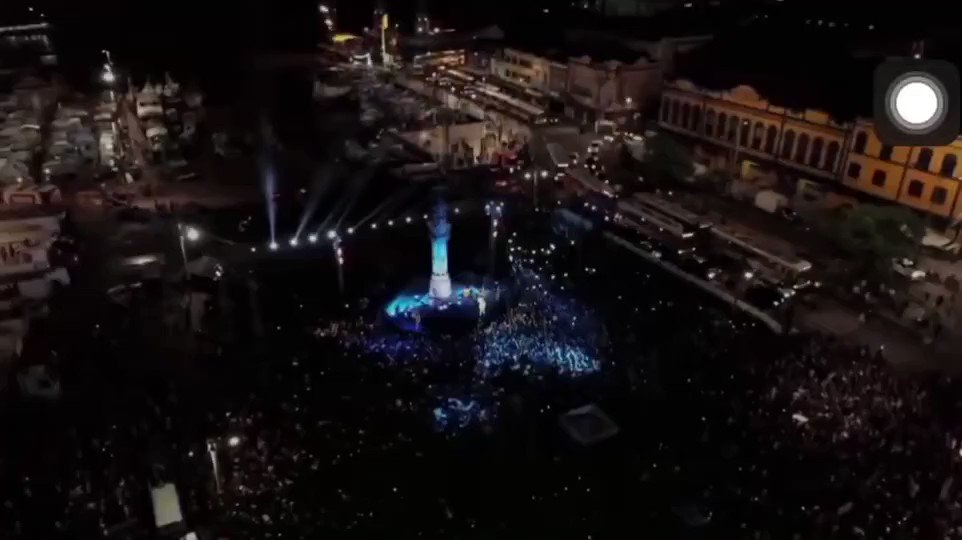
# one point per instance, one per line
(379, 210)
(380, 152)
(322, 183)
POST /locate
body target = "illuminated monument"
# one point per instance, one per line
(445, 305)
(440, 288)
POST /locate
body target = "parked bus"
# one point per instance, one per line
(584, 181)
(785, 266)
(636, 211)
(672, 210)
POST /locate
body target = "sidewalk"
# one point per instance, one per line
(902, 349)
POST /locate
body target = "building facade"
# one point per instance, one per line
(609, 90)
(522, 68)
(814, 146)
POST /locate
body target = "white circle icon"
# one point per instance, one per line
(917, 102)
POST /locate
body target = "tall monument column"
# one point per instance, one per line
(440, 288)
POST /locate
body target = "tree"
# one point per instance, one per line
(875, 235)
(668, 159)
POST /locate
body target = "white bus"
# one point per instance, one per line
(665, 224)
(786, 266)
(672, 210)
(558, 155)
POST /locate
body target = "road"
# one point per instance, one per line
(138, 144)
(903, 348)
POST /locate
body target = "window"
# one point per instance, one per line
(744, 128)
(770, 139)
(733, 123)
(665, 110)
(878, 178)
(948, 165)
(788, 144)
(757, 135)
(801, 151)
(925, 159)
(915, 188)
(710, 122)
(696, 118)
(722, 125)
(885, 153)
(854, 170)
(815, 158)
(674, 112)
(939, 195)
(861, 139)
(831, 155)
(685, 112)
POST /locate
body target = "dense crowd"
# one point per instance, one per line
(344, 427)
(543, 330)
(856, 450)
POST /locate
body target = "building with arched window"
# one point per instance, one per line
(811, 145)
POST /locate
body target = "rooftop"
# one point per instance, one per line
(560, 46)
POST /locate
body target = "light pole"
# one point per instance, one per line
(494, 211)
(186, 233)
(212, 451)
(338, 257)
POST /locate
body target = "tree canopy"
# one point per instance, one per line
(875, 235)
(668, 159)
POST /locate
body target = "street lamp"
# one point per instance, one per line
(233, 441)
(339, 257)
(108, 75)
(192, 233)
(186, 232)
(212, 451)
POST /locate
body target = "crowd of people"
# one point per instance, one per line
(871, 454)
(346, 427)
(544, 330)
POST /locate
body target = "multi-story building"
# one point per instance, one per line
(523, 68)
(924, 178)
(810, 144)
(592, 82)
(609, 89)
(27, 273)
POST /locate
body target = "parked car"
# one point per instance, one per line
(907, 268)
